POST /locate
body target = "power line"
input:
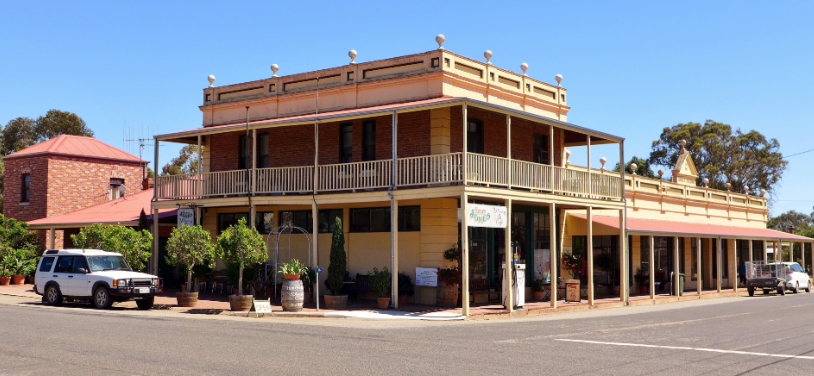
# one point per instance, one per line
(798, 153)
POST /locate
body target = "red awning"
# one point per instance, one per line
(652, 226)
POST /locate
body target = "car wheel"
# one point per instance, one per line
(796, 288)
(52, 295)
(751, 291)
(145, 303)
(102, 298)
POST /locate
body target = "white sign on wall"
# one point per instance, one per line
(426, 277)
(186, 217)
(491, 216)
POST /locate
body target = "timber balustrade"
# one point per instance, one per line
(422, 171)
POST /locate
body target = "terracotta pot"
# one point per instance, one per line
(17, 279)
(336, 301)
(537, 295)
(446, 296)
(384, 302)
(187, 299)
(4, 281)
(292, 296)
(30, 280)
(291, 277)
(240, 302)
(402, 300)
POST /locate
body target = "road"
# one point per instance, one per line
(732, 336)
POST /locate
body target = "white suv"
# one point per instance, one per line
(797, 278)
(98, 276)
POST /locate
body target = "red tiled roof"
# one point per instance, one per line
(699, 229)
(79, 146)
(125, 210)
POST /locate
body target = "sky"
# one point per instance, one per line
(631, 68)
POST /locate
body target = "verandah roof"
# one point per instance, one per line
(652, 226)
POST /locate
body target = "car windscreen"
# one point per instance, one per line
(100, 263)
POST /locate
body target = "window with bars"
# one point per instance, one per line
(474, 137)
(541, 154)
(243, 153)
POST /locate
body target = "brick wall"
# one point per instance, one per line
(223, 151)
(288, 146)
(76, 183)
(37, 206)
(414, 134)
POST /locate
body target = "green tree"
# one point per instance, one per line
(642, 167)
(15, 235)
(133, 244)
(23, 132)
(243, 246)
(790, 218)
(742, 159)
(189, 246)
(185, 163)
(339, 263)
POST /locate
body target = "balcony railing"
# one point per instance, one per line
(423, 171)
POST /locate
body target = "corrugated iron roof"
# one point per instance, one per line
(125, 210)
(69, 145)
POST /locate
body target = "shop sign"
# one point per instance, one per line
(491, 216)
(426, 277)
(186, 217)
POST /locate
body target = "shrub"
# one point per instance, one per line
(134, 245)
(243, 246)
(190, 247)
(339, 263)
(406, 287)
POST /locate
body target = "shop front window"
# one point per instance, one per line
(542, 247)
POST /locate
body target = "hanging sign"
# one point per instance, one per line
(186, 217)
(491, 216)
(426, 277)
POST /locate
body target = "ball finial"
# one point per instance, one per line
(746, 189)
(211, 79)
(567, 155)
(706, 182)
(274, 69)
(602, 161)
(352, 55)
(488, 56)
(661, 173)
(440, 40)
(524, 67)
(762, 192)
(633, 168)
(728, 186)
(559, 79)
(682, 143)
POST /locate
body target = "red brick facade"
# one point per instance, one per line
(294, 146)
(62, 184)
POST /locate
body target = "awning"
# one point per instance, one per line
(125, 211)
(652, 226)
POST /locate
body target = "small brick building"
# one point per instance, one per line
(65, 174)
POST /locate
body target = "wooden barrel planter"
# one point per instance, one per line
(446, 296)
(187, 299)
(292, 295)
(240, 302)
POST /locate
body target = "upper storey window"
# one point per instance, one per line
(541, 153)
(369, 144)
(262, 150)
(26, 188)
(346, 143)
(243, 153)
(115, 185)
(474, 136)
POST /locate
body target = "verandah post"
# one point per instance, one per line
(465, 257)
(650, 271)
(676, 268)
(590, 252)
(553, 245)
(698, 279)
(508, 257)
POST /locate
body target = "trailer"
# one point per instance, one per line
(766, 277)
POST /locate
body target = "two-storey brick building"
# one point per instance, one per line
(395, 148)
(65, 174)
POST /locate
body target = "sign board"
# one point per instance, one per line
(186, 216)
(260, 306)
(319, 270)
(490, 216)
(426, 277)
(572, 291)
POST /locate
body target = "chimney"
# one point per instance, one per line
(147, 183)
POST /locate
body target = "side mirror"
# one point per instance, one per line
(82, 270)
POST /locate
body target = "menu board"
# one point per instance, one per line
(426, 277)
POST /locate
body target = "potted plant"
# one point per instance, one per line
(446, 293)
(233, 277)
(5, 274)
(406, 288)
(292, 295)
(190, 247)
(641, 279)
(336, 270)
(537, 289)
(243, 246)
(380, 283)
(308, 278)
(19, 263)
(577, 265)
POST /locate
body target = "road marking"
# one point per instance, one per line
(786, 356)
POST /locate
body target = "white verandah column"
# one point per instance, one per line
(590, 252)
(651, 271)
(735, 257)
(623, 267)
(507, 271)
(677, 268)
(554, 246)
(698, 270)
(719, 268)
(465, 256)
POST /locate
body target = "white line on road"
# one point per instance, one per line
(692, 349)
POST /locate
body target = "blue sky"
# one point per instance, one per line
(630, 68)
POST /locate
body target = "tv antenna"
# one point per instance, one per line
(136, 139)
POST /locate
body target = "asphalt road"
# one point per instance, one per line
(759, 335)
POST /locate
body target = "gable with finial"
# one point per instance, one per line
(684, 171)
